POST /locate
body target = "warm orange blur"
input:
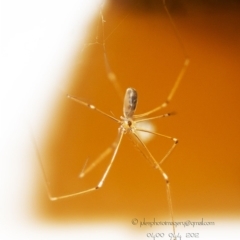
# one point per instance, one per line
(144, 53)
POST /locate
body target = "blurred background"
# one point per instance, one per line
(39, 122)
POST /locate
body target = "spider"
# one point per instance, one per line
(128, 125)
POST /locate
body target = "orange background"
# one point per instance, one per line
(144, 53)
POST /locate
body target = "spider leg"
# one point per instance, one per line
(148, 154)
(170, 96)
(112, 76)
(53, 198)
(92, 107)
(181, 73)
(99, 159)
(151, 118)
(175, 142)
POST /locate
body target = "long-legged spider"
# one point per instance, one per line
(128, 124)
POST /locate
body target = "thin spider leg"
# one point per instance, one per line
(175, 142)
(169, 98)
(179, 78)
(110, 74)
(175, 29)
(181, 73)
(47, 182)
(164, 175)
(92, 107)
(152, 118)
(99, 159)
(117, 144)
